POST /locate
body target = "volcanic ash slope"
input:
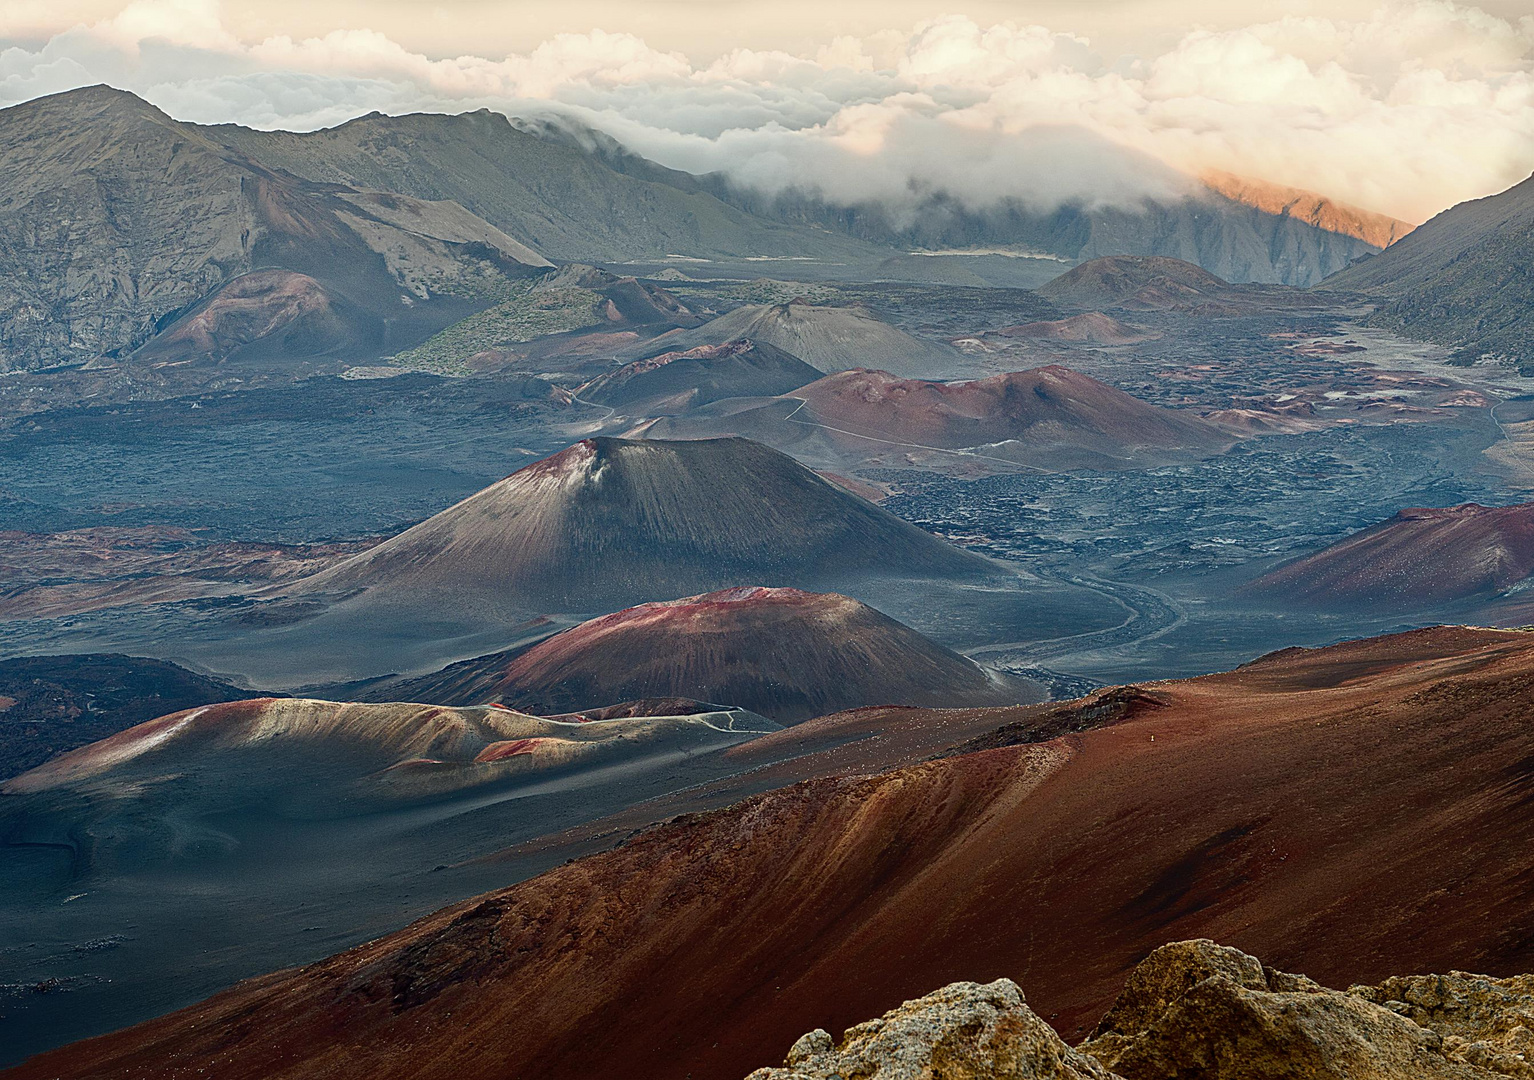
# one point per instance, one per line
(676, 381)
(1348, 811)
(612, 522)
(783, 653)
(1047, 417)
(1422, 558)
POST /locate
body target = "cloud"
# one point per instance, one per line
(1418, 105)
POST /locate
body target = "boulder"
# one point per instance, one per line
(964, 1031)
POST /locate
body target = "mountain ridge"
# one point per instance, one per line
(117, 221)
(1236, 821)
(1461, 279)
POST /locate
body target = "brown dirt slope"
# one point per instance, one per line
(1047, 406)
(675, 381)
(1348, 812)
(1419, 559)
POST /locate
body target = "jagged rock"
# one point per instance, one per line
(1197, 1009)
(1488, 1023)
(964, 1031)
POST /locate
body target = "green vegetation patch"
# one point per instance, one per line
(762, 291)
(530, 314)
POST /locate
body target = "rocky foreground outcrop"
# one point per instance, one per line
(962, 1031)
(1195, 1009)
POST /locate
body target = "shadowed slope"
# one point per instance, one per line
(610, 522)
(50, 704)
(783, 653)
(567, 202)
(1346, 812)
(1462, 279)
(1419, 559)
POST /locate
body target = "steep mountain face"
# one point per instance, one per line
(576, 194)
(568, 204)
(1049, 417)
(677, 381)
(610, 522)
(116, 221)
(1374, 229)
(1463, 279)
(1234, 238)
(1420, 559)
(1263, 808)
(783, 653)
(50, 704)
(1194, 1008)
(827, 338)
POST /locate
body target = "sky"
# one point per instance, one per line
(1404, 106)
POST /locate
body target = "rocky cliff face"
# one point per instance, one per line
(1231, 237)
(1195, 1009)
(91, 253)
(1378, 230)
(566, 201)
(117, 222)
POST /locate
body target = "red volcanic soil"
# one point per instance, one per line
(256, 306)
(1350, 812)
(1417, 559)
(1044, 406)
(783, 653)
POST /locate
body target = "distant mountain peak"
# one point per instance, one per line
(1380, 230)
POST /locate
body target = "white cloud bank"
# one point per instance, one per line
(1421, 105)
